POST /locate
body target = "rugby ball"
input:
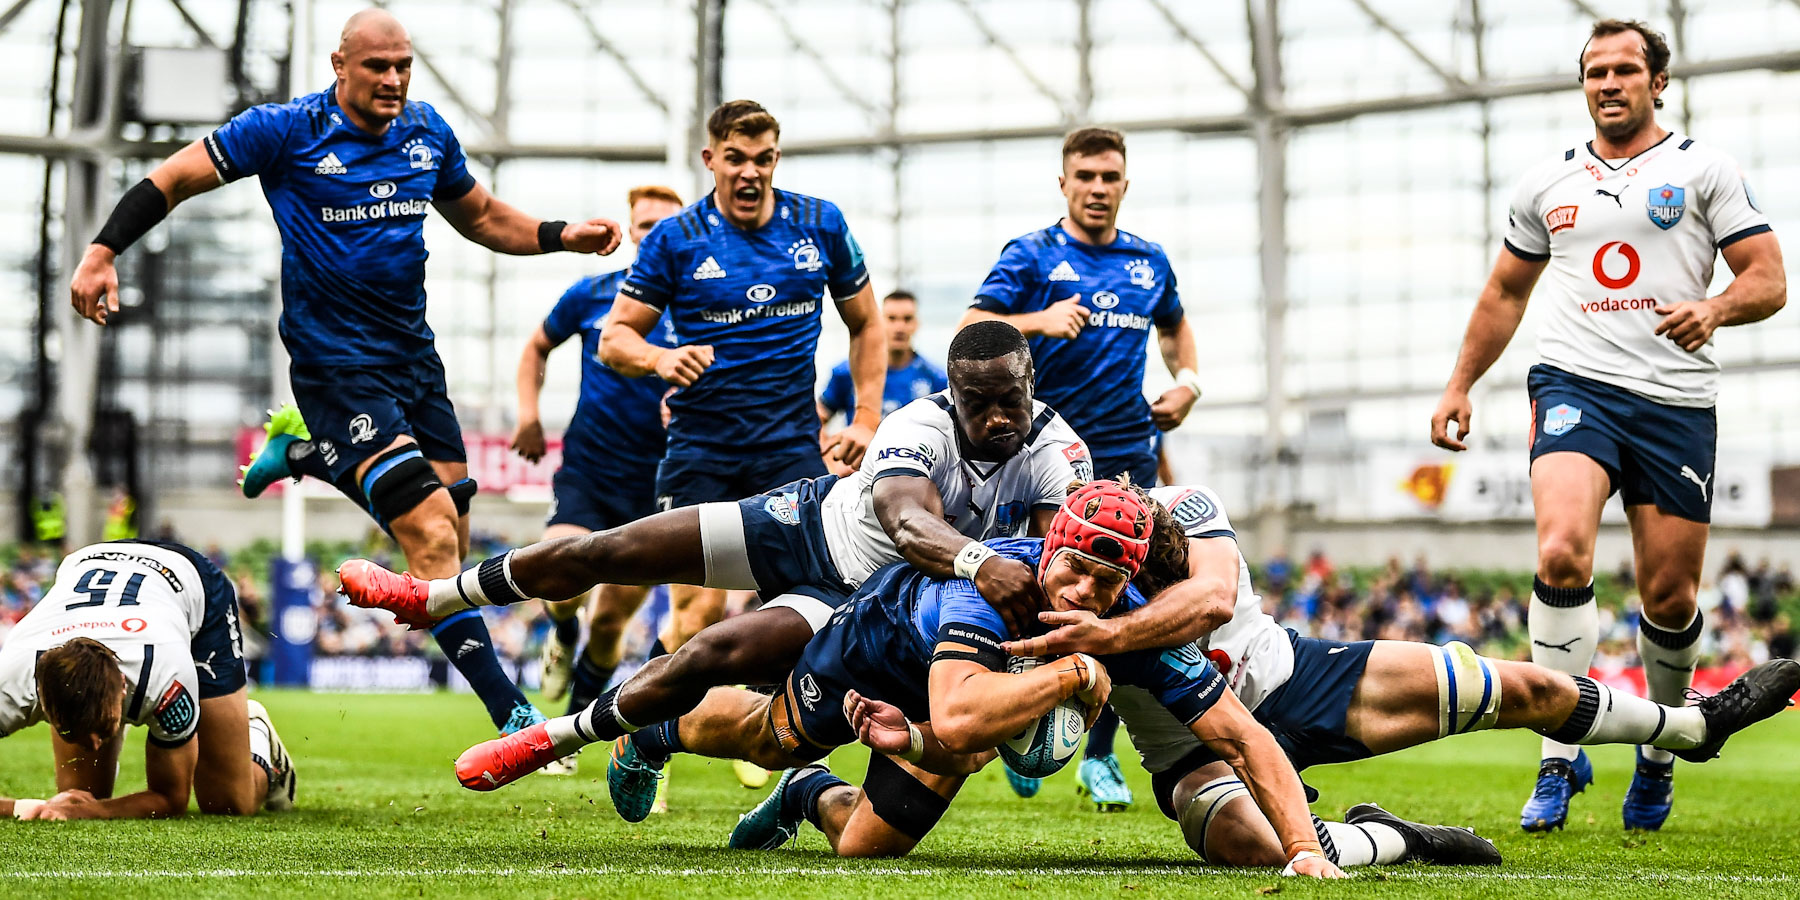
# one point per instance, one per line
(1046, 745)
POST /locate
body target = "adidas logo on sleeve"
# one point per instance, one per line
(330, 165)
(1064, 272)
(708, 270)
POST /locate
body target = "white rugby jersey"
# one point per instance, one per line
(1251, 650)
(142, 601)
(1621, 237)
(981, 499)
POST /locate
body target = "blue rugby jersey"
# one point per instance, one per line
(919, 378)
(755, 296)
(616, 418)
(901, 614)
(1096, 380)
(351, 209)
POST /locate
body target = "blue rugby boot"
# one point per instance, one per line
(1100, 780)
(1558, 780)
(631, 779)
(1024, 787)
(767, 825)
(523, 716)
(270, 464)
(1652, 793)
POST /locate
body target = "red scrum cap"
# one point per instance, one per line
(1101, 521)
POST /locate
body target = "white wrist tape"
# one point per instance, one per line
(1190, 379)
(1090, 671)
(23, 808)
(917, 751)
(970, 558)
(1303, 854)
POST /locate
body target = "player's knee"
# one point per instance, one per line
(238, 803)
(1564, 561)
(1669, 599)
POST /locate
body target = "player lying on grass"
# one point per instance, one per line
(141, 633)
(978, 461)
(931, 646)
(1330, 702)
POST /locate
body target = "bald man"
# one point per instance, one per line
(351, 173)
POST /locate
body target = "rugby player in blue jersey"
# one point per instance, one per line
(742, 274)
(909, 375)
(350, 173)
(1087, 294)
(609, 457)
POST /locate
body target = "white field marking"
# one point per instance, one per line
(877, 871)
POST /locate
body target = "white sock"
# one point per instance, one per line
(487, 583)
(1565, 630)
(1669, 656)
(1620, 718)
(261, 746)
(565, 735)
(1370, 844)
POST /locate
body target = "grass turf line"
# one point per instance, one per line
(381, 815)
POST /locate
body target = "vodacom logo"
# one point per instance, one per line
(1631, 265)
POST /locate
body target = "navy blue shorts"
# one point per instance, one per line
(625, 495)
(687, 481)
(354, 412)
(1307, 715)
(1140, 466)
(1654, 453)
(784, 539)
(861, 647)
(218, 647)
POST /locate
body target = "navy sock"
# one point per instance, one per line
(657, 649)
(801, 797)
(568, 630)
(590, 679)
(1100, 737)
(304, 458)
(597, 722)
(659, 741)
(464, 639)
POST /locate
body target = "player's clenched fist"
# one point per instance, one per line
(848, 446)
(682, 366)
(94, 291)
(1454, 407)
(593, 236)
(1011, 588)
(1063, 319)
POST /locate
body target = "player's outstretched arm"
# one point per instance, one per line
(911, 511)
(1061, 319)
(1185, 611)
(1230, 731)
(528, 437)
(169, 777)
(1491, 327)
(868, 372)
(94, 290)
(974, 708)
(624, 350)
(493, 223)
(883, 728)
(1758, 291)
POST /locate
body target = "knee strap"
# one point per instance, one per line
(397, 482)
(1208, 802)
(902, 800)
(462, 493)
(1468, 689)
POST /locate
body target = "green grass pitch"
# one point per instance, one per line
(381, 815)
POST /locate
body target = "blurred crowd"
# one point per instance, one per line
(1748, 609)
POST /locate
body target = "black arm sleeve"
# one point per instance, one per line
(138, 211)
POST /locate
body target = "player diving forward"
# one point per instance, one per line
(350, 173)
(1331, 702)
(141, 633)
(1628, 227)
(609, 457)
(980, 460)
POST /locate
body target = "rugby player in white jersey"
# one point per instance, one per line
(981, 460)
(1332, 702)
(141, 633)
(1628, 226)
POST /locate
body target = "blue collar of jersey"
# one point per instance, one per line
(347, 125)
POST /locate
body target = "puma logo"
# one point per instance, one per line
(489, 778)
(1566, 646)
(1615, 197)
(1335, 650)
(1689, 473)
